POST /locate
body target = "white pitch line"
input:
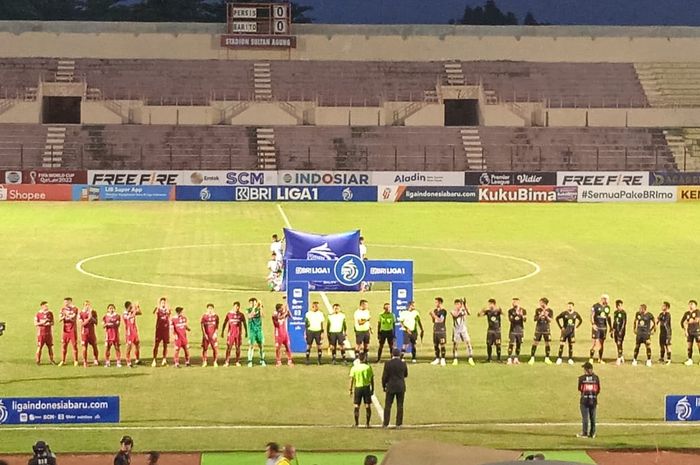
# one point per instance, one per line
(327, 303)
(301, 427)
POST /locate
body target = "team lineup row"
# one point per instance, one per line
(239, 326)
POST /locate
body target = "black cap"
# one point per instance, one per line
(396, 352)
(126, 440)
(40, 446)
(587, 366)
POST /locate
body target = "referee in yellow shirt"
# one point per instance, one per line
(314, 330)
(362, 379)
(362, 328)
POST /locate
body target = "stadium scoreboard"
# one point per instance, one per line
(258, 26)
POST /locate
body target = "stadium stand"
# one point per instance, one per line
(671, 84)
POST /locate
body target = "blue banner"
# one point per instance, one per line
(298, 304)
(676, 178)
(141, 193)
(401, 295)
(85, 193)
(63, 410)
(205, 194)
(306, 246)
(683, 408)
(306, 193)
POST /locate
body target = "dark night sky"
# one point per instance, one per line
(589, 12)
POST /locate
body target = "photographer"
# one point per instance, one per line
(42, 454)
(123, 457)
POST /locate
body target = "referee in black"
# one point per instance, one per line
(589, 387)
(394, 384)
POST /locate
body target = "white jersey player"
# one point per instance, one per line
(460, 331)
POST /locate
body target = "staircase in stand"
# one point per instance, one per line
(65, 72)
(55, 144)
(267, 153)
(474, 152)
(6, 105)
(262, 81)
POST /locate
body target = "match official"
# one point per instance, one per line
(362, 379)
(394, 385)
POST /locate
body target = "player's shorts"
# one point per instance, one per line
(363, 394)
(112, 339)
(693, 338)
(439, 338)
(313, 336)
(181, 343)
(410, 338)
(69, 338)
(234, 339)
(642, 338)
(208, 342)
(515, 338)
(461, 336)
(362, 337)
(44, 340)
(599, 334)
(88, 338)
(282, 339)
(163, 335)
(620, 337)
(493, 337)
(336, 339)
(664, 339)
(568, 336)
(385, 336)
(256, 337)
(133, 338)
(540, 335)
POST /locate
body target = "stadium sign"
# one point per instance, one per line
(418, 178)
(58, 410)
(517, 194)
(35, 192)
(305, 194)
(251, 41)
(347, 271)
(674, 179)
(48, 176)
(326, 178)
(11, 177)
(205, 193)
(137, 193)
(682, 408)
(566, 193)
(688, 193)
(229, 178)
(506, 178)
(602, 178)
(427, 194)
(134, 178)
(627, 194)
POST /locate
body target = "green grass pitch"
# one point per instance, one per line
(640, 253)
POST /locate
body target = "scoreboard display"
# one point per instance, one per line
(258, 26)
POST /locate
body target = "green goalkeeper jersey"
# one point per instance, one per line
(255, 321)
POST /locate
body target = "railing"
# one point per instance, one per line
(443, 157)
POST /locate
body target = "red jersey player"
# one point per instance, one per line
(88, 337)
(280, 317)
(131, 311)
(69, 317)
(43, 321)
(111, 323)
(180, 328)
(236, 322)
(210, 327)
(162, 313)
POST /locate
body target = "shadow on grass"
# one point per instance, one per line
(122, 375)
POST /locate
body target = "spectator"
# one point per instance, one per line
(123, 457)
(42, 454)
(289, 454)
(371, 460)
(272, 453)
(153, 458)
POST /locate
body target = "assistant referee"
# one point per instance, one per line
(362, 379)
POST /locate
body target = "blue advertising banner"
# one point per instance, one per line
(62, 410)
(683, 408)
(205, 194)
(688, 178)
(306, 193)
(141, 193)
(85, 193)
(306, 246)
(347, 271)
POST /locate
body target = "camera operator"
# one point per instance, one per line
(123, 457)
(42, 454)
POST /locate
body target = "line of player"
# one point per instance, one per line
(249, 325)
(237, 325)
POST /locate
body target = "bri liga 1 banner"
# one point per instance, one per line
(58, 410)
